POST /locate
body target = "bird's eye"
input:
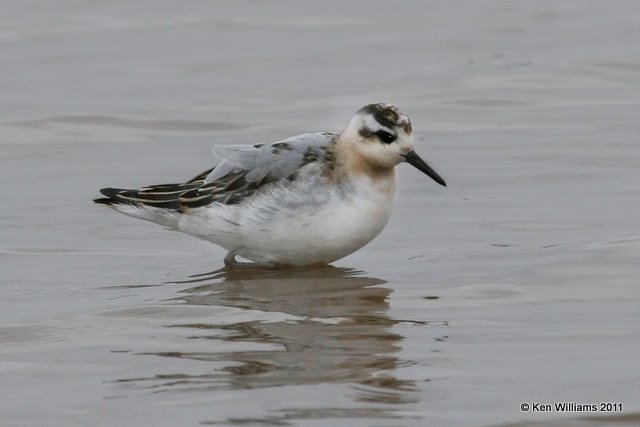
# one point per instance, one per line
(385, 136)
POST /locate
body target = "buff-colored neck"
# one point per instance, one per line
(353, 163)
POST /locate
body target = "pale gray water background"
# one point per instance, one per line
(520, 282)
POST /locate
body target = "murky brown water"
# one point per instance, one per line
(517, 283)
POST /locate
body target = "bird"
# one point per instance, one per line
(310, 199)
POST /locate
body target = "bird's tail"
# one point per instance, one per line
(158, 196)
(157, 203)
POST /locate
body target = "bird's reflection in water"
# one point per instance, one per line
(330, 325)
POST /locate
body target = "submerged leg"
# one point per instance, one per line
(231, 263)
(230, 259)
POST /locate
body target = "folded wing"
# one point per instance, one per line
(238, 172)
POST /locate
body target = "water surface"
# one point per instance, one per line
(517, 283)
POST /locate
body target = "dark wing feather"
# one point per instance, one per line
(239, 171)
(159, 196)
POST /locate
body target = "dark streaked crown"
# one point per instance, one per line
(387, 116)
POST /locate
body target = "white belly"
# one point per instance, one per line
(321, 230)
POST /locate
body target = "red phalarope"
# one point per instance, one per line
(309, 199)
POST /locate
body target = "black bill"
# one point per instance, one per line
(414, 160)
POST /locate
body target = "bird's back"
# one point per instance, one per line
(238, 172)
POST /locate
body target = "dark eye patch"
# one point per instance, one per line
(385, 136)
